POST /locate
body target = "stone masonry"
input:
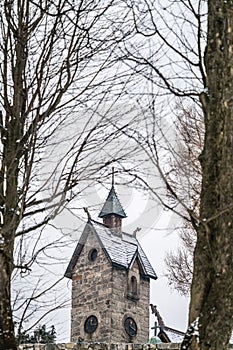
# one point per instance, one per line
(102, 290)
(100, 346)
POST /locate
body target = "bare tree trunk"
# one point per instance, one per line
(212, 286)
(9, 224)
(7, 338)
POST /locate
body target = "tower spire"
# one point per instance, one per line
(112, 211)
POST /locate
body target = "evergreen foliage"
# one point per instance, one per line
(40, 335)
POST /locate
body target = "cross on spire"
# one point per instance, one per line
(113, 173)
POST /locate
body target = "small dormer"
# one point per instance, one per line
(113, 212)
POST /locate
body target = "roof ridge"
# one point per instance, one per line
(118, 254)
(174, 330)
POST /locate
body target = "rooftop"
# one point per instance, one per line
(112, 205)
(121, 250)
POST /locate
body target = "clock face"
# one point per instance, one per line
(91, 324)
(130, 327)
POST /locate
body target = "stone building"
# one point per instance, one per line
(110, 281)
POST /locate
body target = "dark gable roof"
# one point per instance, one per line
(170, 335)
(121, 250)
(112, 205)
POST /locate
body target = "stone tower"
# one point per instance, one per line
(110, 281)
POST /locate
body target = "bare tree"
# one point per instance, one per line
(191, 56)
(190, 131)
(56, 70)
(179, 264)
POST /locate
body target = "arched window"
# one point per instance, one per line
(133, 288)
(134, 285)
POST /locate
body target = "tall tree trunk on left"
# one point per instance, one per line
(7, 337)
(11, 133)
(9, 224)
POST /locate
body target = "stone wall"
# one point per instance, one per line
(102, 290)
(99, 346)
(124, 304)
(102, 346)
(91, 290)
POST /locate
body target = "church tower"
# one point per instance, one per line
(110, 281)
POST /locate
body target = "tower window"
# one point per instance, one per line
(134, 286)
(92, 254)
(133, 292)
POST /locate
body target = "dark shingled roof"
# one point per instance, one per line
(121, 250)
(170, 335)
(112, 205)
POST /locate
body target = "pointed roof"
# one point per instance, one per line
(112, 205)
(121, 251)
